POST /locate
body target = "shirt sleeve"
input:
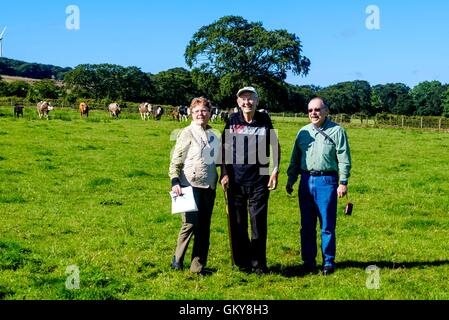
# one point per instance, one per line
(274, 141)
(225, 149)
(179, 155)
(294, 167)
(343, 155)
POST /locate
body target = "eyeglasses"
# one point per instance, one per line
(316, 110)
(200, 111)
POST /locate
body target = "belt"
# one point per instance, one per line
(320, 173)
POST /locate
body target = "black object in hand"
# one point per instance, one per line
(348, 208)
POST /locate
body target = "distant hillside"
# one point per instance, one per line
(6, 78)
(24, 69)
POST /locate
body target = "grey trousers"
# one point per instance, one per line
(197, 225)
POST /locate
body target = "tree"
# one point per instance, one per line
(427, 96)
(240, 53)
(393, 98)
(299, 97)
(174, 86)
(445, 100)
(109, 81)
(18, 89)
(44, 89)
(348, 97)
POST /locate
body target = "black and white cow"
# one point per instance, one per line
(158, 112)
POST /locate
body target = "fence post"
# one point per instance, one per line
(439, 124)
(402, 121)
(421, 122)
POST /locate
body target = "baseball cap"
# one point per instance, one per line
(246, 89)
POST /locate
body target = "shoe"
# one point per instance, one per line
(308, 269)
(328, 270)
(196, 266)
(175, 265)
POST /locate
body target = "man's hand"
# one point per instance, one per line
(273, 183)
(289, 188)
(225, 183)
(342, 190)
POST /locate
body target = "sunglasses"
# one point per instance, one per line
(316, 110)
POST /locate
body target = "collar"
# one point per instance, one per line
(198, 127)
(323, 126)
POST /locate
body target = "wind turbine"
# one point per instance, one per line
(1, 42)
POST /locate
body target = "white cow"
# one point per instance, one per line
(42, 109)
(145, 110)
(114, 109)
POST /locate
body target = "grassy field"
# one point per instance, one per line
(93, 193)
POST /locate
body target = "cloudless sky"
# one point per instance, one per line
(411, 46)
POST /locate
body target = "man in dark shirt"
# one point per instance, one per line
(246, 178)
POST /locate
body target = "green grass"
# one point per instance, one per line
(94, 193)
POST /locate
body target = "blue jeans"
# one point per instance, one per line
(318, 199)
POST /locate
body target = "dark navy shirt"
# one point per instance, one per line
(246, 148)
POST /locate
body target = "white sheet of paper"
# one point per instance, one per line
(184, 203)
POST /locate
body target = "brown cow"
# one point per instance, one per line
(84, 109)
(42, 109)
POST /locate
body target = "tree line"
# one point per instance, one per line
(228, 54)
(177, 87)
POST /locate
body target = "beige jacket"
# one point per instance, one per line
(194, 158)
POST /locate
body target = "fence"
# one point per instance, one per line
(439, 123)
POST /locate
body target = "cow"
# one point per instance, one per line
(84, 109)
(145, 110)
(214, 112)
(18, 111)
(184, 113)
(158, 113)
(175, 114)
(114, 109)
(43, 107)
(224, 116)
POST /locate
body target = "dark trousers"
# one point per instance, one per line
(197, 224)
(241, 200)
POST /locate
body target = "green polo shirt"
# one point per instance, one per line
(314, 151)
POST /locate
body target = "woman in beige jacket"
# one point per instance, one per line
(193, 164)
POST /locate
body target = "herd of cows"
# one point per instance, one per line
(146, 110)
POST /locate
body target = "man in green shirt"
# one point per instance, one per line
(321, 156)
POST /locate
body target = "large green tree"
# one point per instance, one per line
(348, 97)
(427, 96)
(109, 81)
(393, 98)
(44, 89)
(239, 53)
(174, 86)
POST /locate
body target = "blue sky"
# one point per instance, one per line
(410, 46)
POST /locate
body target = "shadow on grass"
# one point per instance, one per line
(391, 264)
(299, 271)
